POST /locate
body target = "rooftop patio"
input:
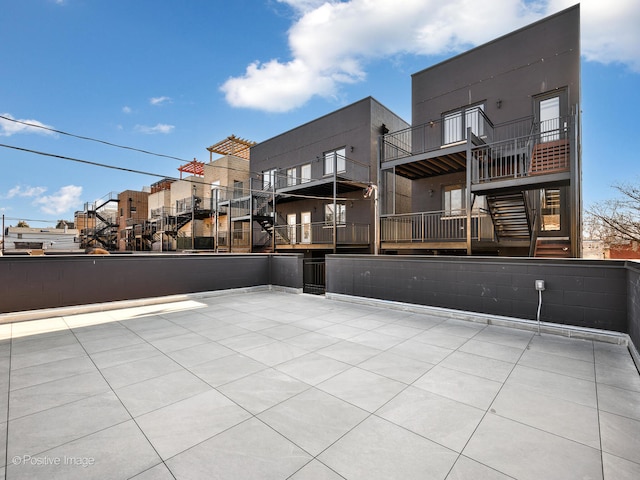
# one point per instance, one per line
(272, 385)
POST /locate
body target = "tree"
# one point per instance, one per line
(616, 220)
(22, 224)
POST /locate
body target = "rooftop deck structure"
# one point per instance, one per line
(272, 385)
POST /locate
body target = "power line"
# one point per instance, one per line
(30, 220)
(104, 142)
(86, 162)
(141, 172)
(33, 125)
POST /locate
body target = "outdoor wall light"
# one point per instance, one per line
(499, 104)
(352, 148)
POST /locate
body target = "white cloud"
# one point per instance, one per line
(62, 201)
(332, 41)
(126, 109)
(158, 101)
(8, 127)
(159, 128)
(25, 191)
(610, 30)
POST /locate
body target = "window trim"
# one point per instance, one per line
(340, 156)
(341, 218)
(462, 116)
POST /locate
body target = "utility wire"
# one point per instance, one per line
(104, 142)
(86, 162)
(111, 144)
(141, 172)
(33, 125)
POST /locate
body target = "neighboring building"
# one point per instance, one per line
(41, 240)
(309, 196)
(594, 249)
(192, 212)
(493, 155)
(229, 179)
(98, 223)
(132, 215)
(629, 250)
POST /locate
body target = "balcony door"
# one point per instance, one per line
(550, 110)
(291, 222)
(305, 220)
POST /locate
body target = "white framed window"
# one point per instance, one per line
(455, 124)
(341, 213)
(268, 179)
(305, 173)
(292, 176)
(454, 200)
(337, 158)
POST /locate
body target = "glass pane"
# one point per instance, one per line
(305, 173)
(453, 127)
(550, 119)
(550, 210)
(341, 160)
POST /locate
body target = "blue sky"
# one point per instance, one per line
(176, 77)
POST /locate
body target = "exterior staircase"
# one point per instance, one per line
(509, 215)
(553, 247)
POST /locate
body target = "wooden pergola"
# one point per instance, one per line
(194, 167)
(232, 145)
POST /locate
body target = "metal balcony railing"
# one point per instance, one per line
(435, 226)
(302, 173)
(436, 134)
(322, 234)
(546, 148)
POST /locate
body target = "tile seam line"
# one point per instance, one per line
(132, 418)
(486, 412)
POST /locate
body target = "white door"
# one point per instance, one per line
(291, 222)
(305, 220)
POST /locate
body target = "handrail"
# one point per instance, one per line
(322, 233)
(439, 225)
(516, 157)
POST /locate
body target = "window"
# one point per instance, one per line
(550, 209)
(238, 188)
(268, 179)
(305, 173)
(328, 213)
(550, 119)
(454, 200)
(292, 177)
(455, 124)
(337, 158)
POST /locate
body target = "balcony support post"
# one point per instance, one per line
(468, 190)
(335, 202)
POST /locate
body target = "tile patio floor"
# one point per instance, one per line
(271, 385)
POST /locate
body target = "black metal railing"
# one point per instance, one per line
(437, 133)
(545, 148)
(322, 234)
(434, 226)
